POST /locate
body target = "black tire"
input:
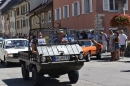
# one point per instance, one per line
(99, 55)
(1, 61)
(88, 57)
(25, 72)
(36, 77)
(73, 76)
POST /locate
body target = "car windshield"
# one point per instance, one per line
(85, 43)
(1, 41)
(16, 44)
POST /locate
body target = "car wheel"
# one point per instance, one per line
(25, 72)
(88, 57)
(99, 55)
(36, 77)
(1, 61)
(73, 76)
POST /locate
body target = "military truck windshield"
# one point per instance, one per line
(56, 37)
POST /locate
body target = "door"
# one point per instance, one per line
(93, 48)
(2, 50)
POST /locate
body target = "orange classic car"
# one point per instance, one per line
(91, 48)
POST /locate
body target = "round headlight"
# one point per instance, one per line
(81, 56)
(43, 59)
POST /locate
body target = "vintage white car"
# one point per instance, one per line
(10, 48)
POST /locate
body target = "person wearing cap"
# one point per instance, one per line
(60, 38)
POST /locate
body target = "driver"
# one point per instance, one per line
(60, 38)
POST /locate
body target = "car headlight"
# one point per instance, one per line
(81, 56)
(43, 59)
(10, 55)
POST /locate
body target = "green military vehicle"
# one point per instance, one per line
(57, 53)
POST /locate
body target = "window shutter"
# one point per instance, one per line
(91, 5)
(126, 5)
(83, 7)
(73, 9)
(55, 15)
(43, 18)
(78, 7)
(68, 9)
(105, 5)
(64, 12)
(60, 12)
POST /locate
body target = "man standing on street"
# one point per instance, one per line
(123, 39)
(104, 41)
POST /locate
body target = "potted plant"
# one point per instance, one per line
(120, 20)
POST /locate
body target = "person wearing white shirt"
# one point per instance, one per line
(123, 39)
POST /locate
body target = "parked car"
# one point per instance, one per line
(10, 48)
(1, 39)
(91, 48)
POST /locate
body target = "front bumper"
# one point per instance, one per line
(60, 67)
(13, 60)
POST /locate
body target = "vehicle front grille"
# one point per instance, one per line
(15, 55)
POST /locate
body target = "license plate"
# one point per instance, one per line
(62, 58)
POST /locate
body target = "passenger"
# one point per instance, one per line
(46, 37)
(85, 36)
(81, 36)
(34, 48)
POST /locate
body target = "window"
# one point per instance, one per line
(26, 8)
(11, 14)
(49, 16)
(87, 6)
(18, 24)
(44, 1)
(76, 8)
(58, 13)
(17, 9)
(36, 20)
(66, 11)
(111, 5)
(21, 23)
(24, 23)
(42, 18)
(32, 21)
(11, 24)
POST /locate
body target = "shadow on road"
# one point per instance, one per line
(103, 59)
(46, 81)
(125, 71)
(12, 65)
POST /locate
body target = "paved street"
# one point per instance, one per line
(95, 73)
